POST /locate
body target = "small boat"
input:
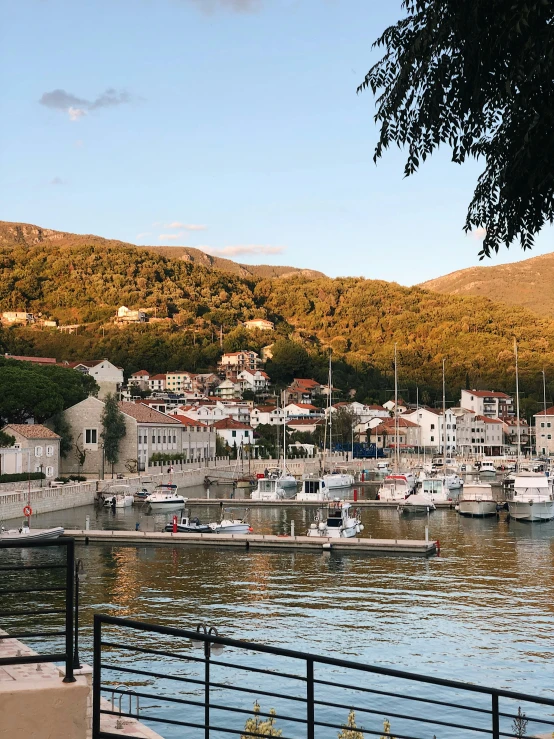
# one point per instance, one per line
(313, 489)
(487, 469)
(338, 478)
(230, 525)
(477, 500)
(165, 498)
(275, 485)
(417, 503)
(452, 481)
(436, 489)
(338, 520)
(26, 534)
(531, 499)
(117, 496)
(394, 488)
(383, 468)
(189, 525)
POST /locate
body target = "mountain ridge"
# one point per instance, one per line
(28, 234)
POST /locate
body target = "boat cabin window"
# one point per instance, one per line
(334, 523)
(311, 486)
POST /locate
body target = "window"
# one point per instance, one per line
(153, 439)
(432, 427)
(432, 438)
(159, 439)
(38, 451)
(49, 472)
(49, 451)
(233, 433)
(246, 433)
(91, 436)
(164, 439)
(549, 436)
(174, 439)
(548, 425)
(542, 425)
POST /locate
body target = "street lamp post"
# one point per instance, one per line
(208, 649)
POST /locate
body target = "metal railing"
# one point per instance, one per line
(303, 695)
(26, 595)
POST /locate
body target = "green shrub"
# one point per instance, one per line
(22, 476)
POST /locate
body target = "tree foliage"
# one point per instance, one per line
(6, 440)
(475, 76)
(261, 726)
(113, 428)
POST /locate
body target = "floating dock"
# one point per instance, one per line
(256, 541)
(292, 503)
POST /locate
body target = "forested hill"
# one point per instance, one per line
(529, 283)
(360, 320)
(25, 234)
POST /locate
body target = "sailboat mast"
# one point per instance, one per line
(443, 415)
(284, 445)
(418, 423)
(330, 402)
(517, 408)
(396, 450)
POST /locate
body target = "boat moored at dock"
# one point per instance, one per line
(25, 533)
(339, 519)
(417, 504)
(531, 498)
(165, 498)
(477, 500)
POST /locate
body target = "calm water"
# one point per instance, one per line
(482, 612)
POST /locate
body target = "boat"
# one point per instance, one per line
(230, 525)
(188, 525)
(417, 503)
(531, 498)
(452, 481)
(477, 500)
(24, 533)
(270, 488)
(313, 490)
(487, 468)
(394, 488)
(383, 468)
(436, 489)
(117, 496)
(338, 520)
(165, 498)
(338, 478)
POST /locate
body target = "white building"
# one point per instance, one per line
(487, 403)
(36, 449)
(15, 317)
(232, 363)
(255, 380)
(431, 428)
(228, 390)
(233, 432)
(156, 383)
(126, 315)
(140, 380)
(259, 323)
(480, 435)
(107, 375)
(266, 414)
(544, 426)
(198, 440)
(296, 410)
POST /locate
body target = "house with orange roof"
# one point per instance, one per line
(36, 449)
(234, 432)
(490, 403)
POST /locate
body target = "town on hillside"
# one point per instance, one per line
(182, 416)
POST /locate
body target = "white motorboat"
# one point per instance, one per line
(531, 498)
(338, 478)
(117, 496)
(394, 488)
(477, 500)
(383, 468)
(453, 481)
(231, 525)
(165, 498)
(24, 534)
(339, 520)
(436, 489)
(417, 503)
(313, 490)
(487, 469)
(275, 485)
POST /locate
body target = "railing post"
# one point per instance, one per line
(495, 717)
(206, 689)
(310, 715)
(69, 591)
(96, 675)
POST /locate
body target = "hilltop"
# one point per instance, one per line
(84, 279)
(529, 283)
(25, 234)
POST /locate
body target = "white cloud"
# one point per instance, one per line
(169, 237)
(76, 113)
(186, 226)
(478, 234)
(233, 251)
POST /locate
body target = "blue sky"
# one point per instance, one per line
(237, 119)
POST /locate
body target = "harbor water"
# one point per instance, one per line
(481, 612)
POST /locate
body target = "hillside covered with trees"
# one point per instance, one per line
(359, 320)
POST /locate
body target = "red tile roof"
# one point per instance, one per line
(143, 414)
(487, 394)
(141, 373)
(157, 377)
(305, 422)
(549, 412)
(186, 421)
(305, 406)
(229, 423)
(485, 419)
(298, 381)
(31, 430)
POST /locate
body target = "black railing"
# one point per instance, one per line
(30, 605)
(305, 696)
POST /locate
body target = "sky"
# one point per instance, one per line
(228, 125)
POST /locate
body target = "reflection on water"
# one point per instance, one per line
(483, 611)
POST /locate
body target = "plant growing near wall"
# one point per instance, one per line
(519, 724)
(351, 730)
(261, 726)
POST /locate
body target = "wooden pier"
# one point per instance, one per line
(256, 541)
